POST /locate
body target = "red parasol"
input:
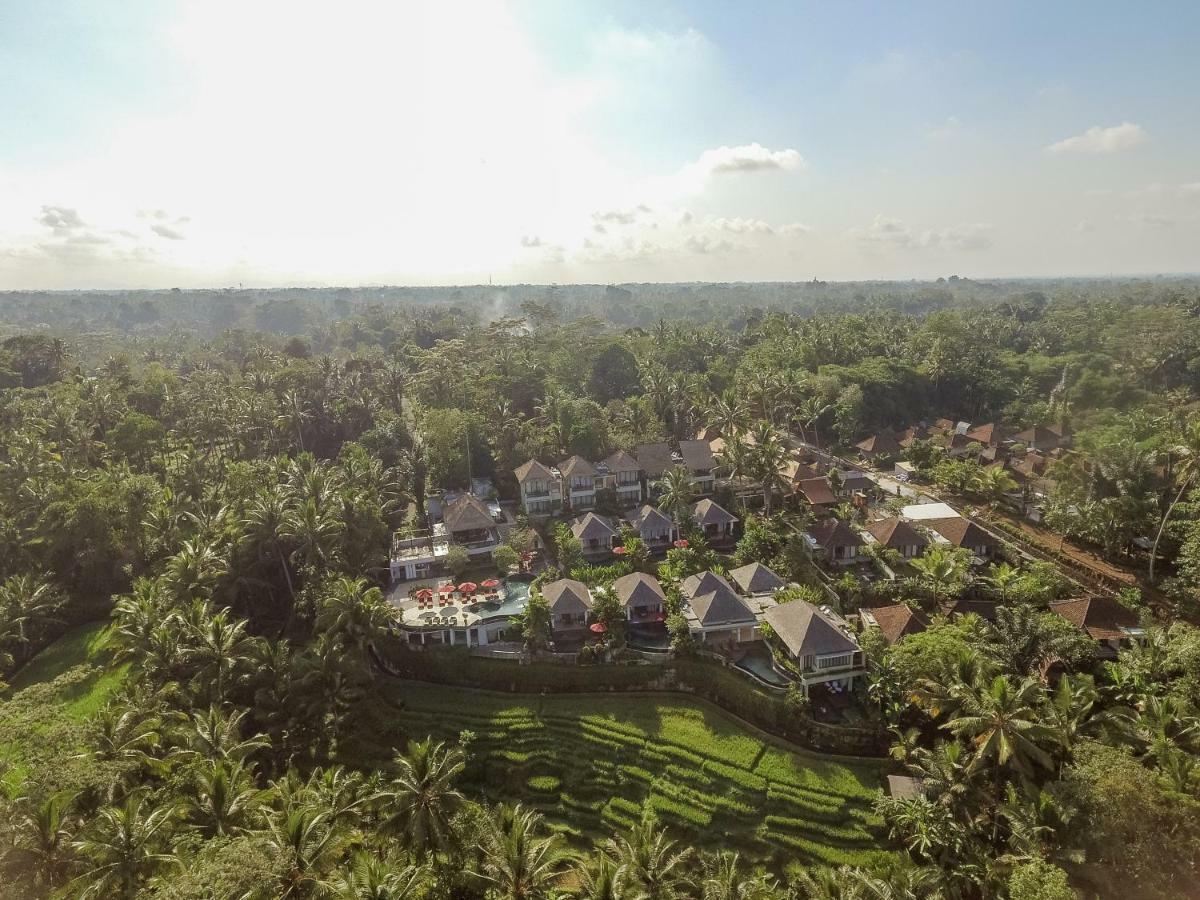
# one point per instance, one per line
(446, 589)
(681, 543)
(424, 594)
(468, 587)
(620, 551)
(598, 628)
(490, 583)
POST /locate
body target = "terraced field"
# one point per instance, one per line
(590, 762)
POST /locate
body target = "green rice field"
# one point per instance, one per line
(590, 762)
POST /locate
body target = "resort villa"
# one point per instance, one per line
(594, 533)
(715, 521)
(819, 643)
(653, 526)
(642, 596)
(715, 612)
(466, 521)
(570, 603)
(572, 484)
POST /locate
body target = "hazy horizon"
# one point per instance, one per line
(207, 145)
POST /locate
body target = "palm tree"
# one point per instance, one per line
(943, 570)
(725, 879)
(27, 607)
(728, 415)
(649, 866)
(217, 647)
(370, 878)
(41, 837)
(1002, 722)
(1187, 452)
(769, 456)
(677, 493)
(356, 613)
(220, 799)
(520, 864)
(314, 531)
(421, 799)
(293, 413)
(598, 878)
(309, 840)
(121, 849)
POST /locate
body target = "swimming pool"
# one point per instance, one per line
(757, 661)
(516, 596)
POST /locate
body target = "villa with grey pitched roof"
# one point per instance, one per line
(641, 595)
(756, 579)
(621, 473)
(653, 526)
(819, 643)
(570, 602)
(715, 521)
(715, 612)
(594, 533)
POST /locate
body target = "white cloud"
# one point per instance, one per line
(531, 240)
(742, 226)
(1152, 221)
(888, 232)
(746, 158)
(168, 232)
(1192, 189)
(1098, 139)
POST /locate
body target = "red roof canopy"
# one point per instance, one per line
(598, 627)
(681, 543)
(447, 589)
(490, 583)
(425, 593)
(468, 587)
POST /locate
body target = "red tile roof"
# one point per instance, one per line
(1101, 617)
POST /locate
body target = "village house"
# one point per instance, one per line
(621, 473)
(714, 611)
(570, 603)
(716, 522)
(595, 535)
(541, 488)
(819, 643)
(878, 447)
(579, 482)
(894, 533)
(642, 597)
(989, 434)
(985, 609)
(834, 541)
(895, 621)
(756, 580)
(1043, 438)
(959, 532)
(653, 526)
(818, 492)
(1114, 627)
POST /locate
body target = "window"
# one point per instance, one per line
(581, 483)
(835, 662)
(627, 478)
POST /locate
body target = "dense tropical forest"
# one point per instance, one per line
(198, 492)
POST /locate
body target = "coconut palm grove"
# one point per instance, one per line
(803, 591)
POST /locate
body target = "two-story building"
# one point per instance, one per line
(578, 483)
(621, 473)
(697, 457)
(541, 488)
(819, 643)
(714, 520)
(466, 522)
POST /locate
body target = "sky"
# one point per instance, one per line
(155, 144)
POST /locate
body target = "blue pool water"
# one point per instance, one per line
(516, 595)
(758, 661)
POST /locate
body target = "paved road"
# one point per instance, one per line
(886, 483)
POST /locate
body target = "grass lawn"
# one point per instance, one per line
(48, 701)
(590, 763)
